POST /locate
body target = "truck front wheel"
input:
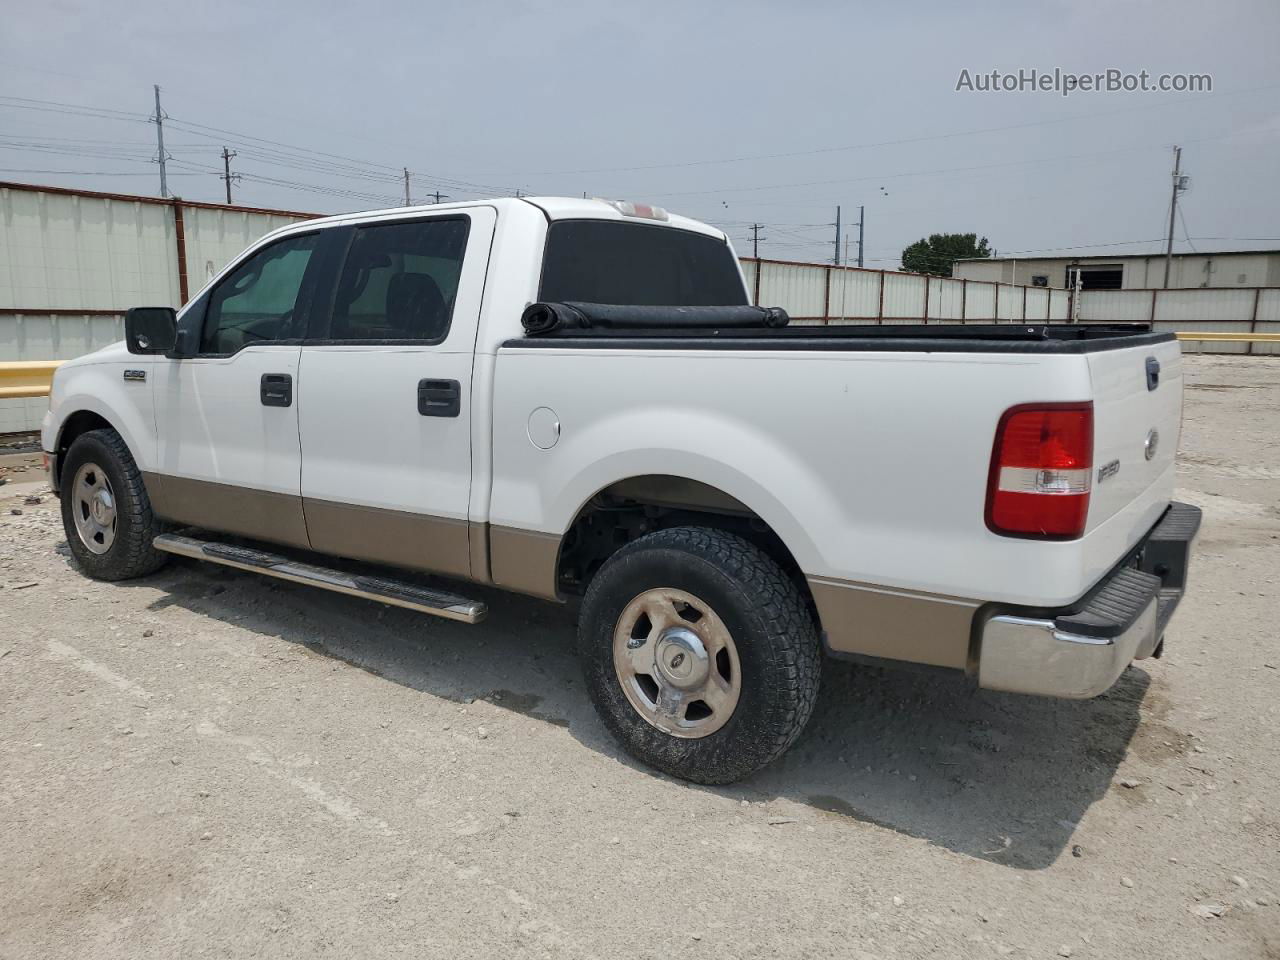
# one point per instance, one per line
(700, 653)
(106, 512)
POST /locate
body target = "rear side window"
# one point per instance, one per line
(399, 281)
(603, 261)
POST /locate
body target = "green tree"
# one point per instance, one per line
(937, 254)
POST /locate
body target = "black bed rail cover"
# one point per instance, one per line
(910, 338)
(543, 319)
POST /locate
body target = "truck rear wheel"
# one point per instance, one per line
(106, 512)
(700, 653)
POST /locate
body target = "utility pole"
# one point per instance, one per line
(755, 239)
(438, 196)
(158, 120)
(836, 259)
(862, 216)
(1077, 288)
(227, 175)
(1178, 187)
(406, 187)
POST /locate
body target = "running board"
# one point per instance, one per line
(382, 589)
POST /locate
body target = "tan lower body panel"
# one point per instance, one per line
(524, 561)
(413, 540)
(243, 511)
(394, 537)
(895, 624)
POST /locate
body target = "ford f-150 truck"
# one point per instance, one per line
(575, 399)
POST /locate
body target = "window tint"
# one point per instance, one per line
(258, 301)
(399, 281)
(603, 261)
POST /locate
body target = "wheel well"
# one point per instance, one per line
(629, 509)
(82, 421)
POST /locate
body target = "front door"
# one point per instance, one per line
(385, 393)
(227, 419)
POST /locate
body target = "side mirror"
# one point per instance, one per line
(150, 329)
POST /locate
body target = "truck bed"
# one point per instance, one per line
(1051, 338)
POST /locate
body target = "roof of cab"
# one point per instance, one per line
(579, 208)
(554, 208)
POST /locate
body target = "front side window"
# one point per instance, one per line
(399, 281)
(604, 261)
(259, 301)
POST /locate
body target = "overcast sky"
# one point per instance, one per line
(735, 113)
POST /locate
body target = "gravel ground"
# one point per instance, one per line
(209, 764)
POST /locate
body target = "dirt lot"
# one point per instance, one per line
(208, 764)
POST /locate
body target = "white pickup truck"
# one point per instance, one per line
(574, 398)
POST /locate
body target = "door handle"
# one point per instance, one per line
(1153, 373)
(439, 398)
(276, 390)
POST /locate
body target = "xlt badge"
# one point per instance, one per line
(1108, 470)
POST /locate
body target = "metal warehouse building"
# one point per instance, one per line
(1227, 268)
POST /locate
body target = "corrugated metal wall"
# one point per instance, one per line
(1268, 319)
(71, 263)
(49, 336)
(60, 251)
(215, 236)
(1224, 309)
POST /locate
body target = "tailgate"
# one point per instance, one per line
(1137, 398)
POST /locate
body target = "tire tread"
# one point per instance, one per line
(790, 650)
(132, 554)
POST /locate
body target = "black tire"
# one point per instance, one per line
(130, 553)
(772, 630)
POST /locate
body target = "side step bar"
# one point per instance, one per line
(382, 589)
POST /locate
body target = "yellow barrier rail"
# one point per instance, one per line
(1211, 337)
(28, 378)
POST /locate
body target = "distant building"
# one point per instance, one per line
(1228, 268)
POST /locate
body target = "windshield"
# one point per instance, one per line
(603, 261)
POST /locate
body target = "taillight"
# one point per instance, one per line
(1041, 471)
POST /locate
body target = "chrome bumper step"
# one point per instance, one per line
(382, 589)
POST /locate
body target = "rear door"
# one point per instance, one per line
(385, 391)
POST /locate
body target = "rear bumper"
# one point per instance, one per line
(1079, 652)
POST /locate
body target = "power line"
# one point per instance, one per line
(129, 114)
(916, 173)
(215, 133)
(1185, 234)
(909, 140)
(92, 173)
(248, 177)
(198, 129)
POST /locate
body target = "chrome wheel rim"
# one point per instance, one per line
(677, 663)
(93, 505)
